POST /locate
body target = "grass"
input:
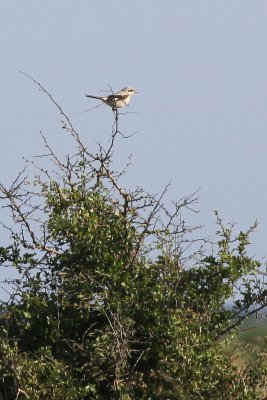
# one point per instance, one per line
(254, 331)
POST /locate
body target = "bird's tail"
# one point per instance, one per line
(95, 97)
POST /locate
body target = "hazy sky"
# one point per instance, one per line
(200, 67)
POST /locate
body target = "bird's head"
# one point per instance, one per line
(130, 90)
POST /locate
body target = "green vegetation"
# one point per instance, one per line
(253, 332)
(111, 304)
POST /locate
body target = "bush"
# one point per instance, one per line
(109, 304)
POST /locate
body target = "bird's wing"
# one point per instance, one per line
(120, 95)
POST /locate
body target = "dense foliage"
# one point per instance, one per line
(110, 305)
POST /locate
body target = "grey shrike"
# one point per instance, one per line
(116, 100)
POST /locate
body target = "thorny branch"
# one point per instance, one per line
(88, 171)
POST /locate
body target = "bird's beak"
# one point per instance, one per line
(135, 91)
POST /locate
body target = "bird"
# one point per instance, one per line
(116, 100)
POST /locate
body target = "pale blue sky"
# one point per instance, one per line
(201, 71)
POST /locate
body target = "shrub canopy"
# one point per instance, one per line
(115, 299)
